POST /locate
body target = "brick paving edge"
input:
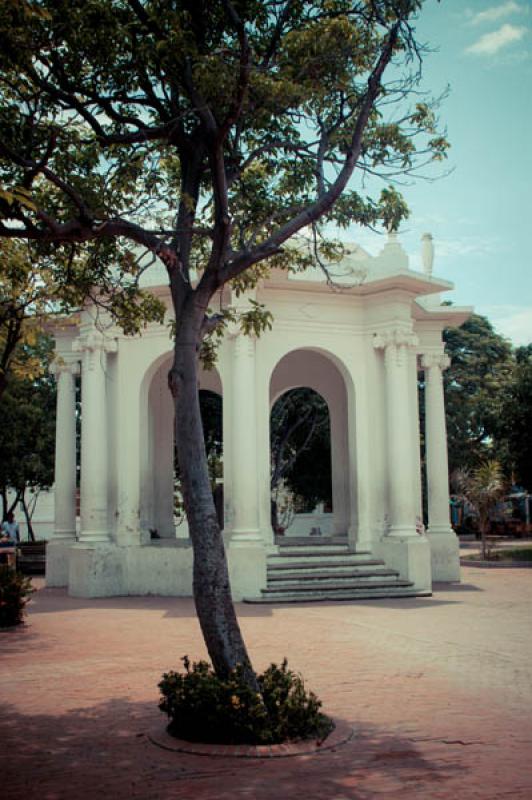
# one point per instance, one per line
(342, 733)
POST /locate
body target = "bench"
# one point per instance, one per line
(31, 558)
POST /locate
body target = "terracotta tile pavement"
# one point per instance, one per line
(439, 691)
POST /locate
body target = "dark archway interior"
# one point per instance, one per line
(211, 407)
(300, 439)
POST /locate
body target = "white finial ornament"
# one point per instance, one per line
(427, 253)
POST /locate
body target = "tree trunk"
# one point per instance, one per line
(212, 593)
(29, 526)
(3, 383)
(484, 526)
(3, 492)
(14, 503)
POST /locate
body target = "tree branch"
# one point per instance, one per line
(321, 205)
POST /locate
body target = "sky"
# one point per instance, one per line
(480, 216)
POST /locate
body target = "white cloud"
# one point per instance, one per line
(512, 321)
(495, 12)
(491, 43)
(465, 246)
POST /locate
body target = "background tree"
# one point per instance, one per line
(208, 133)
(476, 385)
(27, 432)
(516, 419)
(300, 450)
(483, 487)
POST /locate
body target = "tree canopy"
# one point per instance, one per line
(27, 432)
(39, 283)
(488, 396)
(476, 385)
(236, 123)
(516, 419)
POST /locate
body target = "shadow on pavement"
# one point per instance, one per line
(455, 587)
(102, 751)
(53, 600)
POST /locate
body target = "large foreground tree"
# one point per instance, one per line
(207, 132)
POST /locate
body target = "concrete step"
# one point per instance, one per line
(333, 586)
(314, 541)
(314, 565)
(317, 552)
(307, 572)
(325, 577)
(311, 562)
(336, 596)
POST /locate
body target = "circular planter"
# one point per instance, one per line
(341, 734)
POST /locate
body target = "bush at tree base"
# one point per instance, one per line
(203, 707)
(15, 591)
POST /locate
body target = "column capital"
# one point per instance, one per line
(94, 341)
(435, 359)
(243, 343)
(395, 337)
(93, 346)
(59, 365)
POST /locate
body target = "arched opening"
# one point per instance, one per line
(162, 513)
(308, 390)
(211, 408)
(301, 476)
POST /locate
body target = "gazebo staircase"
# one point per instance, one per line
(309, 569)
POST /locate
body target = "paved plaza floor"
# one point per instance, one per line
(438, 691)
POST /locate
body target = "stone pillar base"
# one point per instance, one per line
(97, 571)
(247, 569)
(445, 554)
(57, 561)
(360, 539)
(410, 556)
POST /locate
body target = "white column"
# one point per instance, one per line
(443, 540)
(94, 444)
(403, 507)
(65, 450)
(436, 443)
(247, 551)
(131, 424)
(264, 459)
(245, 495)
(339, 463)
(402, 548)
(361, 441)
(416, 434)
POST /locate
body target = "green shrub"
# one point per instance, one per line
(15, 590)
(519, 554)
(205, 708)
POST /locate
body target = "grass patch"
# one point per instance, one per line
(518, 554)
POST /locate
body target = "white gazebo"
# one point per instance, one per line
(359, 344)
